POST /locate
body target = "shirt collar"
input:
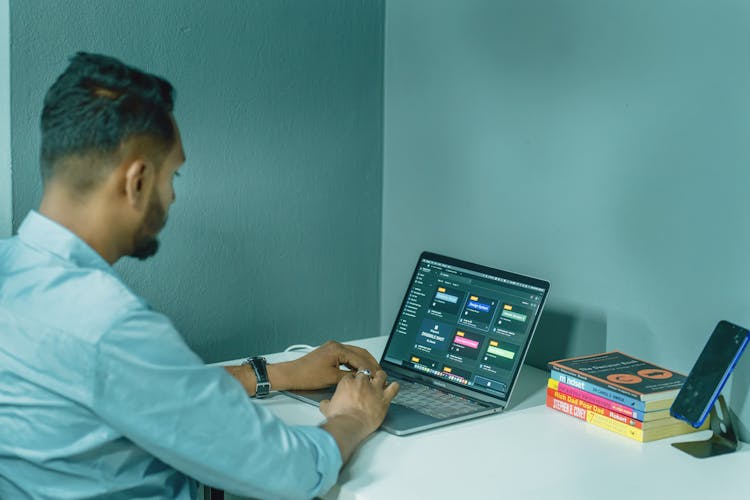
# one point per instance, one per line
(45, 234)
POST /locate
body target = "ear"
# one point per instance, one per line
(139, 176)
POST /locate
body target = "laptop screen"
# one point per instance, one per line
(466, 324)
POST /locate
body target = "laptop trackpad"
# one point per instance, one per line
(314, 396)
(398, 419)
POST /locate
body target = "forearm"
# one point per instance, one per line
(348, 432)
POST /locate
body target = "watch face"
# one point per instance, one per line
(262, 389)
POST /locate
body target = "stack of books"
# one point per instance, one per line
(619, 393)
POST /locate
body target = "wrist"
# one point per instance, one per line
(348, 431)
(359, 422)
(279, 376)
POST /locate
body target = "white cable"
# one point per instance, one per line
(299, 347)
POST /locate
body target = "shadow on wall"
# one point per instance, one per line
(565, 333)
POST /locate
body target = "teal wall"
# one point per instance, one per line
(598, 144)
(603, 145)
(6, 196)
(275, 235)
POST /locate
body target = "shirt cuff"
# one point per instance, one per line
(329, 457)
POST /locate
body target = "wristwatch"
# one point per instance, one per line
(262, 385)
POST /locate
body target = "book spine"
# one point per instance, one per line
(597, 390)
(615, 426)
(595, 380)
(594, 399)
(590, 407)
(565, 407)
(594, 418)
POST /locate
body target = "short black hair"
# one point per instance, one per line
(95, 105)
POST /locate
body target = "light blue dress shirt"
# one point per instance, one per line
(101, 397)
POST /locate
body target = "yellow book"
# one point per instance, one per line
(641, 435)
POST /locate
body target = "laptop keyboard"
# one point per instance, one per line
(433, 402)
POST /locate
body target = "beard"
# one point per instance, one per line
(146, 244)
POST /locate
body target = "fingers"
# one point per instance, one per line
(362, 397)
(390, 391)
(379, 380)
(356, 358)
(379, 377)
(323, 366)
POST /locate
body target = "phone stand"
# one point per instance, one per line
(724, 439)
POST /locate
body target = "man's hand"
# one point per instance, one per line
(357, 409)
(321, 367)
(317, 369)
(360, 402)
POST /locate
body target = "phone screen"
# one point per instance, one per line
(709, 374)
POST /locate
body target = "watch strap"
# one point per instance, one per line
(259, 366)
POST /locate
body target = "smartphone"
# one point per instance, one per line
(709, 374)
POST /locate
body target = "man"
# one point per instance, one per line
(99, 395)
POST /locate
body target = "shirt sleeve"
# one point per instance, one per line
(198, 419)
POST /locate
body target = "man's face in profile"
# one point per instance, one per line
(146, 241)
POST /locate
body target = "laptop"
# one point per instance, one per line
(457, 345)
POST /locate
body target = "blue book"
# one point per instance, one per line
(636, 404)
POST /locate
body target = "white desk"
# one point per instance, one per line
(527, 452)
